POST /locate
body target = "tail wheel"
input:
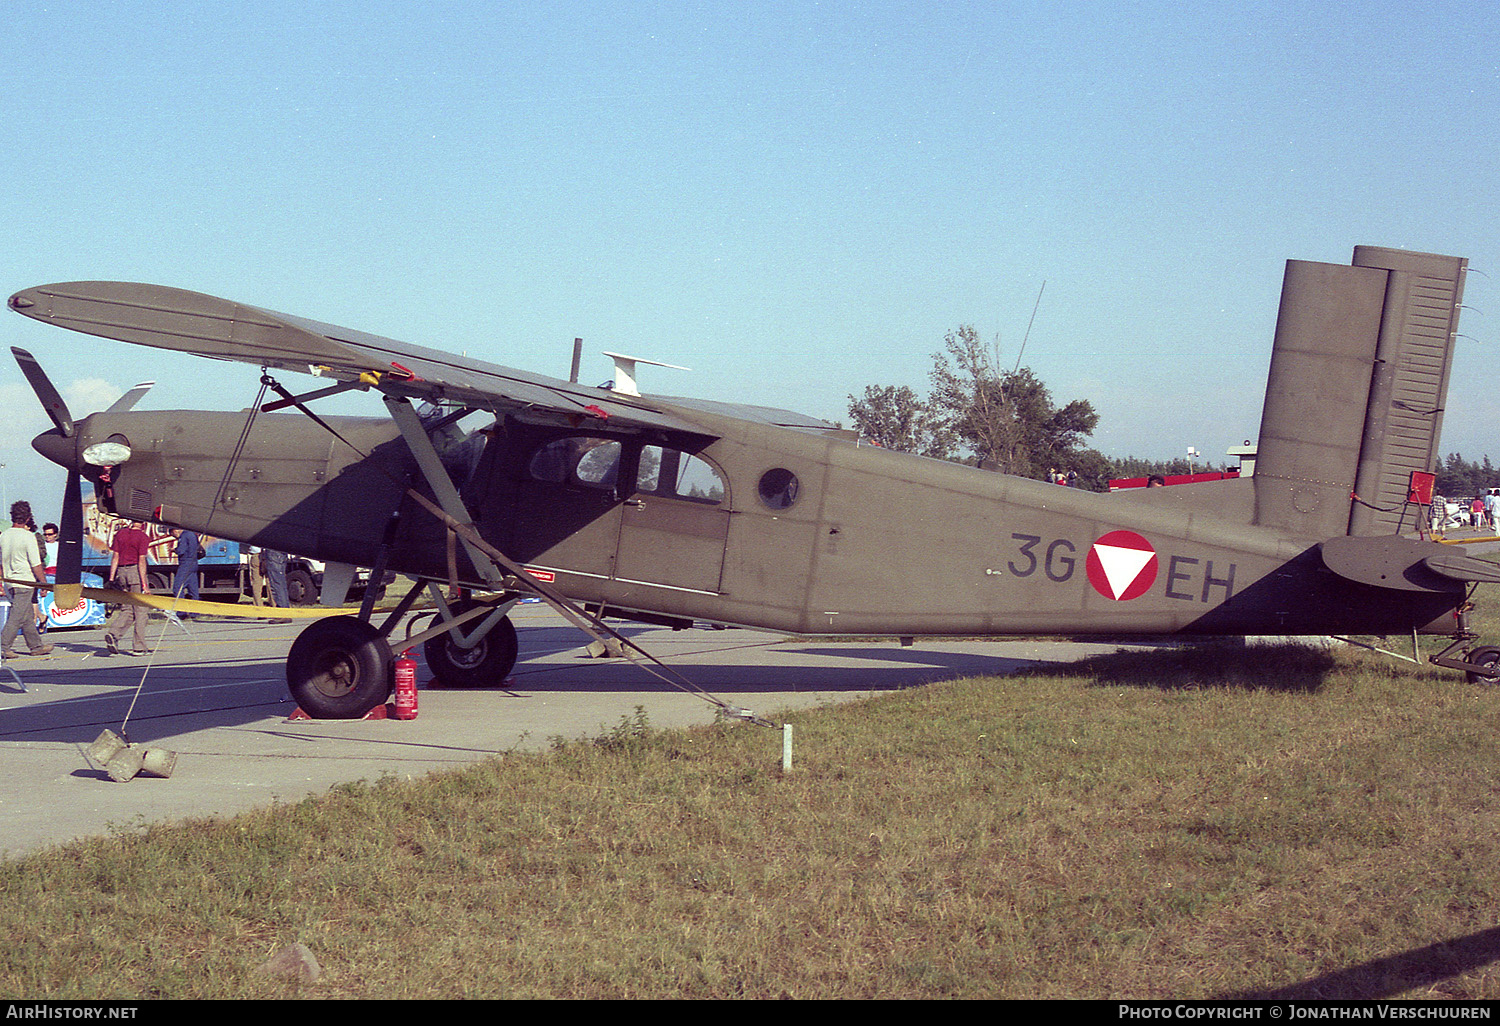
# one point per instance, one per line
(1488, 657)
(486, 665)
(339, 669)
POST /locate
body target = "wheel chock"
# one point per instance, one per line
(380, 712)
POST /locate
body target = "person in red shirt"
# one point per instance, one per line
(127, 567)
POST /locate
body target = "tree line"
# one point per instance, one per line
(1457, 476)
(979, 413)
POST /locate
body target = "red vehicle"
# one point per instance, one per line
(1173, 479)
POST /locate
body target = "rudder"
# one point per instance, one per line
(1354, 400)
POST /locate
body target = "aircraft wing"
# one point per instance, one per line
(190, 322)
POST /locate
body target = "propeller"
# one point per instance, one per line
(60, 445)
(52, 402)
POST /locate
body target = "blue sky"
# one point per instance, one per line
(793, 199)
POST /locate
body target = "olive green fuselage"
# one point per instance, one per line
(784, 529)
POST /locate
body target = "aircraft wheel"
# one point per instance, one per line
(339, 669)
(1489, 656)
(486, 665)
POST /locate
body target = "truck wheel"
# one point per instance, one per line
(339, 669)
(486, 665)
(300, 588)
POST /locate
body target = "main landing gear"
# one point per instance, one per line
(340, 667)
(481, 658)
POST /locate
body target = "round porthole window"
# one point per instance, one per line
(778, 488)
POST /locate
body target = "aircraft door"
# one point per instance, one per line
(675, 524)
(568, 510)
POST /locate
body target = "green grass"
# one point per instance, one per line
(1191, 824)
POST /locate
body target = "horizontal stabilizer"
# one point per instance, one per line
(1391, 561)
(1464, 568)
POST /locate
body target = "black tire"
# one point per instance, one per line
(339, 669)
(486, 665)
(301, 590)
(1488, 656)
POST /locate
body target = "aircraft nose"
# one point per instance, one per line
(57, 448)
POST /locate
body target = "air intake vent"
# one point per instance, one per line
(140, 502)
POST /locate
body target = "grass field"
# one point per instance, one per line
(1193, 823)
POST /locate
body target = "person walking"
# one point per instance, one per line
(185, 586)
(21, 559)
(127, 568)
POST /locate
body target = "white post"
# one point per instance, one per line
(786, 747)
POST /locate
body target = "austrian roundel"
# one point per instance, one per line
(1122, 565)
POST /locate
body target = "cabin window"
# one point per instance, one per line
(778, 488)
(679, 475)
(590, 462)
(599, 465)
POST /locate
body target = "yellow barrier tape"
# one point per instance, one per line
(199, 607)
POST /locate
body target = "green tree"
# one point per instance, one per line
(988, 416)
(894, 417)
(1005, 419)
(1457, 476)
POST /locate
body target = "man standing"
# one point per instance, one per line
(273, 563)
(22, 561)
(49, 564)
(127, 567)
(186, 584)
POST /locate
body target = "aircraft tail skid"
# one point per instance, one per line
(1355, 396)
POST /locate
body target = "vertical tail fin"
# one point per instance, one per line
(1359, 377)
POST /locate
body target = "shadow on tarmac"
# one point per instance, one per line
(80, 690)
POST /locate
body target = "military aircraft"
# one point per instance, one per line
(671, 510)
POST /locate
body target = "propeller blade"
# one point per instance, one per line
(130, 398)
(52, 402)
(68, 588)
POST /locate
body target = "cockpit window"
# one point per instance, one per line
(458, 434)
(553, 461)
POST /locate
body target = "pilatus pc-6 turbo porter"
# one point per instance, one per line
(674, 510)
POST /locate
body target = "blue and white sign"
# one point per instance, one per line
(87, 613)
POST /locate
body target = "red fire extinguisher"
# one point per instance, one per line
(406, 687)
